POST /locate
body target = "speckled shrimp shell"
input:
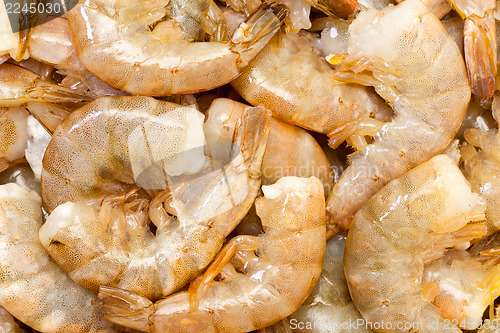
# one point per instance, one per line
(33, 287)
(269, 276)
(404, 52)
(411, 222)
(113, 40)
(112, 244)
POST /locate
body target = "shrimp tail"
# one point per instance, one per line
(126, 308)
(27, 21)
(481, 54)
(256, 126)
(491, 283)
(249, 38)
(46, 92)
(343, 8)
(54, 93)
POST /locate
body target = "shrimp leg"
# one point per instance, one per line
(410, 71)
(263, 278)
(115, 43)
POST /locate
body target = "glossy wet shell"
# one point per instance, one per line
(112, 141)
(409, 223)
(292, 80)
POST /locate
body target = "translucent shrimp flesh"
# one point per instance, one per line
(32, 287)
(404, 52)
(112, 244)
(262, 279)
(406, 225)
(115, 42)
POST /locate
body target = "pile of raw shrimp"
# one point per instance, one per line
(238, 166)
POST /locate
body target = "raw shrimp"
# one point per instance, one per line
(262, 279)
(290, 78)
(329, 308)
(290, 150)
(115, 42)
(13, 136)
(50, 43)
(480, 44)
(408, 64)
(110, 143)
(481, 166)
(32, 287)
(113, 245)
(406, 225)
(19, 86)
(457, 285)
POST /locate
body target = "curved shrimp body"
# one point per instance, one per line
(50, 43)
(113, 142)
(277, 270)
(131, 57)
(114, 246)
(480, 44)
(290, 78)
(290, 150)
(32, 287)
(407, 224)
(408, 66)
(329, 303)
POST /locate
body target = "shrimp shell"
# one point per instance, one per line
(404, 52)
(277, 270)
(114, 246)
(406, 225)
(32, 287)
(113, 40)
